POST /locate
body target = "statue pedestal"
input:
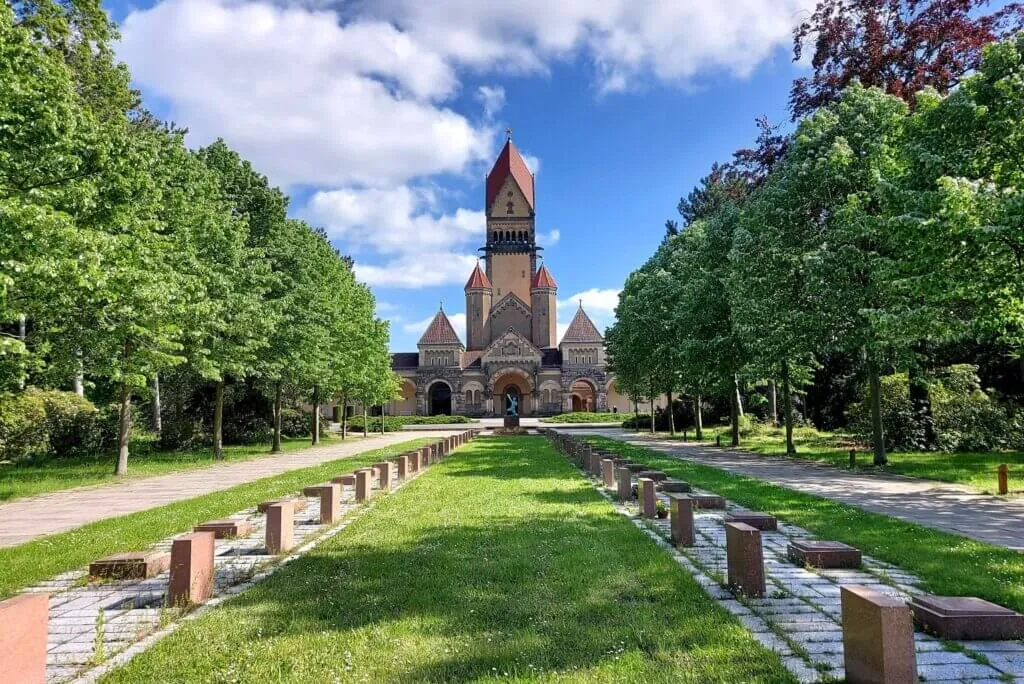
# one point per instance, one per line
(511, 422)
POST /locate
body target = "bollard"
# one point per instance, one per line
(625, 483)
(1003, 485)
(718, 440)
(853, 459)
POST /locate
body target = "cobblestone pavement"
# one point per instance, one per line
(23, 520)
(95, 625)
(943, 506)
(800, 617)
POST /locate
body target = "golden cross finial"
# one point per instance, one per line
(508, 134)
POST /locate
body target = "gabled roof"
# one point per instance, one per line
(509, 163)
(440, 331)
(542, 278)
(581, 330)
(478, 279)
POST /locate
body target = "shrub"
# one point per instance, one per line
(580, 417)
(23, 425)
(965, 417)
(393, 423)
(73, 424)
(296, 423)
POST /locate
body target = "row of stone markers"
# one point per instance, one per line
(83, 623)
(828, 611)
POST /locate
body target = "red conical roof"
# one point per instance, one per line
(478, 279)
(582, 330)
(509, 163)
(440, 331)
(542, 278)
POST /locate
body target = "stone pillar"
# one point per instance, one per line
(330, 501)
(25, 621)
(878, 637)
(403, 467)
(681, 512)
(624, 477)
(608, 472)
(363, 485)
(414, 461)
(425, 454)
(384, 475)
(648, 498)
(280, 535)
(191, 569)
(745, 559)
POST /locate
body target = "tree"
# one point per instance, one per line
(900, 46)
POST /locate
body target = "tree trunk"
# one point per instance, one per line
(877, 430)
(636, 412)
(787, 407)
(698, 418)
(921, 401)
(653, 396)
(276, 446)
(344, 416)
(382, 414)
(366, 421)
(158, 423)
(22, 337)
(671, 418)
(734, 412)
(78, 381)
(316, 414)
(773, 403)
(218, 421)
(124, 431)
(739, 397)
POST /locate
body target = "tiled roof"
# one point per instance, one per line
(543, 279)
(440, 331)
(509, 162)
(400, 360)
(582, 329)
(478, 279)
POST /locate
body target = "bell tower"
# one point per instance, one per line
(511, 249)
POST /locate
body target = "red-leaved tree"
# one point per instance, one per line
(900, 46)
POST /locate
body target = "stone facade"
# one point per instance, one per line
(511, 312)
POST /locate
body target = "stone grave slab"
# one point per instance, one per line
(297, 504)
(23, 638)
(224, 529)
(708, 501)
(966, 618)
(674, 487)
(131, 565)
(759, 521)
(348, 480)
(744, 559)
(635, 467)
(823, 554)
(655, 475)
(878, 637)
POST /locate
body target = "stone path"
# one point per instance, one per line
(23, 520)
(800, 616)
(942, 506)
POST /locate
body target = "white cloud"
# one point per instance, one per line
(598, 303)
(550, 238)
(458, 322)
(305, 98)
(532, 162)
(418, 270)
(492, 98)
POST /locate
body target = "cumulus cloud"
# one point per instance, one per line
(598, 303)
(492, 98)
(549, 238)
(306, 98)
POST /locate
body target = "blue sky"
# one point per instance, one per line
(381, 119)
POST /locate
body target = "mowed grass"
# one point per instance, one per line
(973, 469)
(498, 563)
(27, 479)
(35, 561)
(949, 564)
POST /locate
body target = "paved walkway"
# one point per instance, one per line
(23, 520)
(943, 506)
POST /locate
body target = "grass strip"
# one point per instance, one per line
(26, 564)
(947, 564)
(499, 563)
(27, 479)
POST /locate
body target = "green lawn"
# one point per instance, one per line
(499, 563)
(948, 564)
(976, 470)
(21, 479)
(27, 564)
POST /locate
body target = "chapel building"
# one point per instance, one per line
(511, 347)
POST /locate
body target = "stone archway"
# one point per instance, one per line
(513, 382)
(583, 395)
(439, 399)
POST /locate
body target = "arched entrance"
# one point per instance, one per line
(439, 399)
(584, 396)
(515, 384)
